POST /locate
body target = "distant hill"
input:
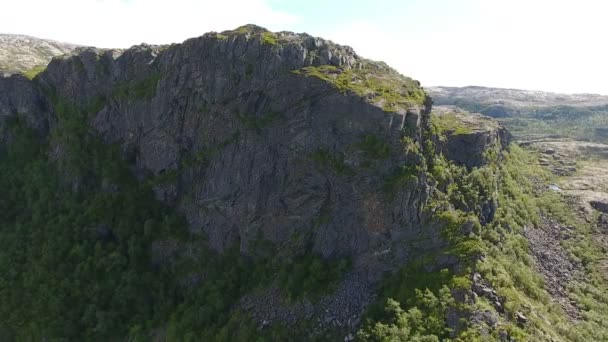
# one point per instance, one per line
(531, 114)
(20, 53)
(514, 97)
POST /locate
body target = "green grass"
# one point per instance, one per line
(334, 161)
(374, 147)
(449, 124)
(142, 89)
(376, 85)
(269, 38)
(33, 72)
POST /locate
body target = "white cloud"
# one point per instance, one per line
(121, 23)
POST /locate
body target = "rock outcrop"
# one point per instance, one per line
(468, 138)
(280, 136)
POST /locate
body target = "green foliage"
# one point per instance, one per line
(509, 266)
(33, 72)
(249, 70)
(412, 306)
(449, 124)
(378, 85)
(334, 161)
(530, 121)
(77, 260)
(374, 147)
(106, 261)
(142, 89)
(414, 324)
(269, 38)
(399, 178)
(467, 246)
(510, 182)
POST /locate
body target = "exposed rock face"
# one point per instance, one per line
(20, 98)
(19, 53)
(552, 261)
(249, 148)
(469, 136)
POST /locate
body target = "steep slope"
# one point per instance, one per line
(276, 185)
(19, 53)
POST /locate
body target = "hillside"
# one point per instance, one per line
(19, 53)
(276, 186)
(534, 114)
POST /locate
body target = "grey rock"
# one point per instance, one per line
(237, 97)
(600, 206)
(521, 318)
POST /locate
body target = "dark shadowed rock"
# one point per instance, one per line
(600, 206)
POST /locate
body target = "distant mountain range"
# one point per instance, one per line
(19, 53)
(533, 114)
(512, 97)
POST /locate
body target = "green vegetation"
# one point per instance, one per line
(202, 156)
(269, 38)
(249, 70)
(400, 177)
(449, 124)
(91, 255)
(33, 72)
(335, 161)
(413, 302)
(586, 123)
(143, 89)
(374, 147)
(377, 85)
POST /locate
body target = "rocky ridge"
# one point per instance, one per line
(20, 53)
(254, 135)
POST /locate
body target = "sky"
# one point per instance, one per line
(550, 45)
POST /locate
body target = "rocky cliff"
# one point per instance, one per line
(272, 139)
(261, 134)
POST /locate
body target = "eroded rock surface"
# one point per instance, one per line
(469, 136)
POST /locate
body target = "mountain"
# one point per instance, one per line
(20, 53)
(534, 114)
(265, 185)
(514, 97)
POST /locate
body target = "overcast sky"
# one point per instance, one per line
(552, 45)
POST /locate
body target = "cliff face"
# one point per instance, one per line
(286, 147)
(467, 138)
(251, 136)
(282, 136)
